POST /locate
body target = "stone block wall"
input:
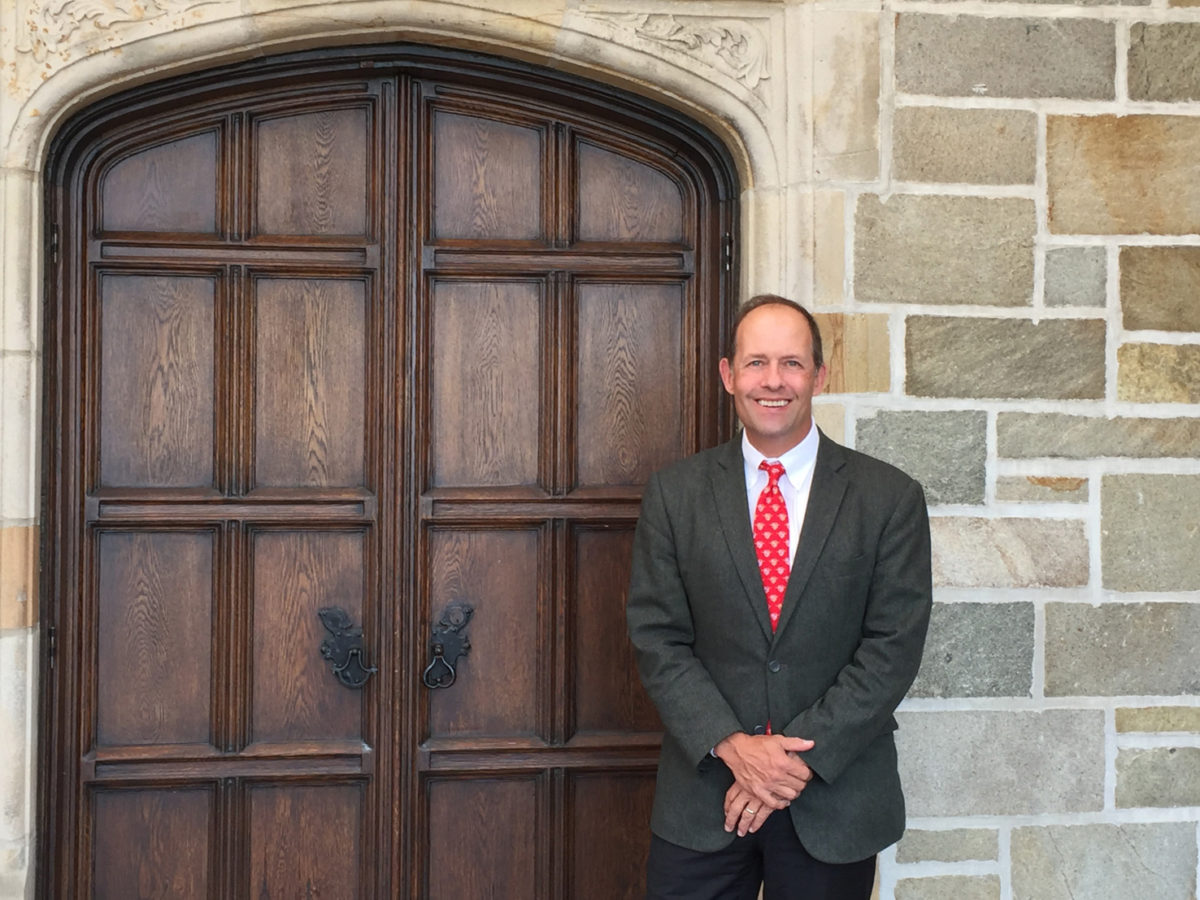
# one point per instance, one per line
(1029, 242)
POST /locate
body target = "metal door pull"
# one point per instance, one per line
(344, 650)
(449, 642)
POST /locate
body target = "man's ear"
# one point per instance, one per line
(822, 378)
(726, 375)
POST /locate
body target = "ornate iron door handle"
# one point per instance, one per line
(344, 649)
(448, 643)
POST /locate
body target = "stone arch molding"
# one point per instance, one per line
(720, 70)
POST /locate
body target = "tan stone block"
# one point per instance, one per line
(972, 146)
(857, 351)
(954, 845)
(831, 419)
(1041, 489)
(949, 887)
(18, 576)
(845, 95)
(950, 356)
(1159, 373)
(1148, 528)
(1155, 719)
(1034, 435)
(1164, 61)
(1123, 174)
(967, 56)
(829, 246)
(1021, 553)
(919, 248)
(1183, 2)
(1160, 287)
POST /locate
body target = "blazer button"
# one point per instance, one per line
(773, 666)
(760, 729)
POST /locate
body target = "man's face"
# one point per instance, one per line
(772, 378)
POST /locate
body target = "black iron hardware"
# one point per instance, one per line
(449, 642)
(344, 649)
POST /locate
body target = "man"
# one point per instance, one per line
(778, 767)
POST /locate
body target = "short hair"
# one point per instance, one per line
(775, 300)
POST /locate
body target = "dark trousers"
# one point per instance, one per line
(772, 858)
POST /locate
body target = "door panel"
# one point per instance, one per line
(485, 393)
(154, 644)
(290, 855)
(607, 863)
(339, 342)
(310, 346)
(484, 837)
(156, 390)
(171, 187)
(311, 172)
(630, 408)
(497, 690)
(152, 842)
(488, 178)
(624, 199)
(608, 697)
(296, 574)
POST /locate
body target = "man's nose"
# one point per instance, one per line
(773, 377)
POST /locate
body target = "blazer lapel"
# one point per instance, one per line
(824, 500)
(733, 511)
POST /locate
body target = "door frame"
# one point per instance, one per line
(60, 678)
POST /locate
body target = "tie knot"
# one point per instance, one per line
(773, 470)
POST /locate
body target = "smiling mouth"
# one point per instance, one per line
(773, 404)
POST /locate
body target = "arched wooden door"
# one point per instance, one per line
(387, 333)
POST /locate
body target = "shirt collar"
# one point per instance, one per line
(795, 460)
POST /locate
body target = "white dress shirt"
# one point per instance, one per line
(794, 484)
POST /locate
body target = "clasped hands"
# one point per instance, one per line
(768, 774)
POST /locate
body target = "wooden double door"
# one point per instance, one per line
(339, 346)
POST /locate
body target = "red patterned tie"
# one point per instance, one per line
(771, 540)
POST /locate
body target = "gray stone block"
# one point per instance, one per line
(1164, 61)
(1121, 649)
(1036, 435)
(968, 763)
(949, 887)
(940, 249)
(970, 146)
(1004, 358)
(970, 56)
(1160, 285)
(977, 552)
(1105, 862)
(977, 650)
(1148, 531)
(955, 845)
(1076, 276)
(1158, 776)
(945, 451)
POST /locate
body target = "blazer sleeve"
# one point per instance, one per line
(693, 710)
(858, 706)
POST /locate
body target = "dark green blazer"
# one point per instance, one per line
(847, 648)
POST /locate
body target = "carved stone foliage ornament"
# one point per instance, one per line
(731, 45)
(50, 25)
